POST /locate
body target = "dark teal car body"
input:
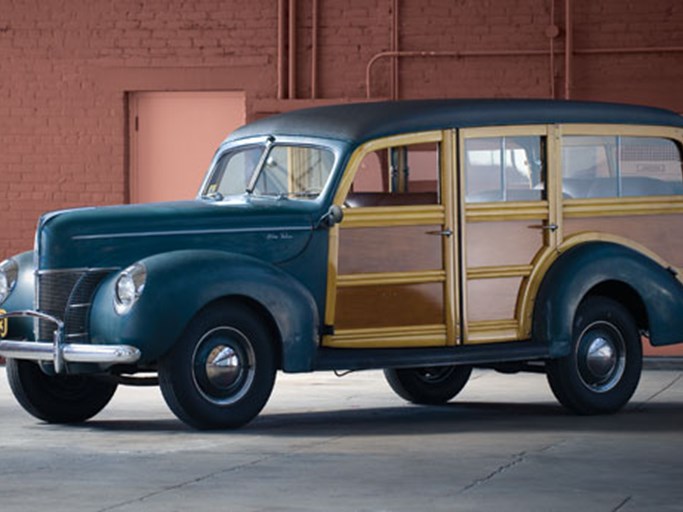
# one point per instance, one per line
(266, 256)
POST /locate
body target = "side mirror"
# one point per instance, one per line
(333, 216)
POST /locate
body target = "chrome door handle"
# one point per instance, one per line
(548, 227)
(443, 232)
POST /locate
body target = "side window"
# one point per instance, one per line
(620, 166)
(505, 169)
(399, 175)
(650, 166)
(297, 171)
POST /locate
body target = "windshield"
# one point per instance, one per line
(271, 170)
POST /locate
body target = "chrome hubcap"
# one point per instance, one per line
(601, 356)
(223, 365)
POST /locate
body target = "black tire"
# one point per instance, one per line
(57, 398)
(602, 372)
(428, 385)
(221, 371)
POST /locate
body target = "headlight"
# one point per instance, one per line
(9, 270)
(129, 287)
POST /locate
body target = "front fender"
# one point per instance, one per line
(585, 266)
(21, 298)
(180, 283)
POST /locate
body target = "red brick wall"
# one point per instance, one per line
(66, 65)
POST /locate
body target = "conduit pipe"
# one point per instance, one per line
(281, 49)
(291, 92)
(552, 32)
(507, 53)
(395, 48)
(568, 48)
(453, 54)
(314, 49)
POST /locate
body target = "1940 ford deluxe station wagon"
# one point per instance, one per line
(422, 237)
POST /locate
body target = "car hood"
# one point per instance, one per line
(271, 230)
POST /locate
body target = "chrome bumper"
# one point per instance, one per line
(59, 352)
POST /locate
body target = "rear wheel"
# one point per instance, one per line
(222, 370)
(57, 398)
(428, 385)
(602, 372)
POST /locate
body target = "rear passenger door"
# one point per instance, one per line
(509, 222)
(392, 264)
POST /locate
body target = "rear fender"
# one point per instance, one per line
(583, 267)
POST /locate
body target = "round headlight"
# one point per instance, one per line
(9, 271)
(129, 287)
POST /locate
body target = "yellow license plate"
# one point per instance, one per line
(3, 324)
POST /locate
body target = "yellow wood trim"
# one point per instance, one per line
(375, 145)
(544, 260)
(290, 170)
(499, 271)
(331, 291)
(391, 278)
(620, 206)
(624, 130)
(462, 238)
(504, 131)
(492, 331)
(522, 210)
(385, 216)
(449, 196)
(554, 194)
(388, 337)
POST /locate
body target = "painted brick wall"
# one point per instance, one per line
(66, 65)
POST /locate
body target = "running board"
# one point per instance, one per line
(366, 359)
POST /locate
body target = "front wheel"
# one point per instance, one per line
(602, 372)
(222, 370)
(428, 385)
(57, 398)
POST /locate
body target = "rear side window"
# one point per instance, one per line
(619, 166)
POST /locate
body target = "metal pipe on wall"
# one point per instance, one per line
(281, 49)
(552, 33)
(314, 49)
(395, 48)
(507, 53)
(455, 54)
(568, 48)
(291, 92)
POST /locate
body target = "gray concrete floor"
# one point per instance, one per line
(329, 444)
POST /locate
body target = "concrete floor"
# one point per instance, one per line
(329, 444)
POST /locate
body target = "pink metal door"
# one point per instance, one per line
(173, 138)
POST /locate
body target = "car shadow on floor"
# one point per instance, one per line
(478, 417)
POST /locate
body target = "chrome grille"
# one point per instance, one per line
(67, 295)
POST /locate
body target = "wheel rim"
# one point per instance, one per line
(223, 365)
(601, 356)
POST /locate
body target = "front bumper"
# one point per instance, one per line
(58, 352)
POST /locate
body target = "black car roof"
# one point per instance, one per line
(359, 122)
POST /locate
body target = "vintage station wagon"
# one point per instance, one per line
(424, 238)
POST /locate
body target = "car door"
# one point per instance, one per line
(392, 263)
(509, 224)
